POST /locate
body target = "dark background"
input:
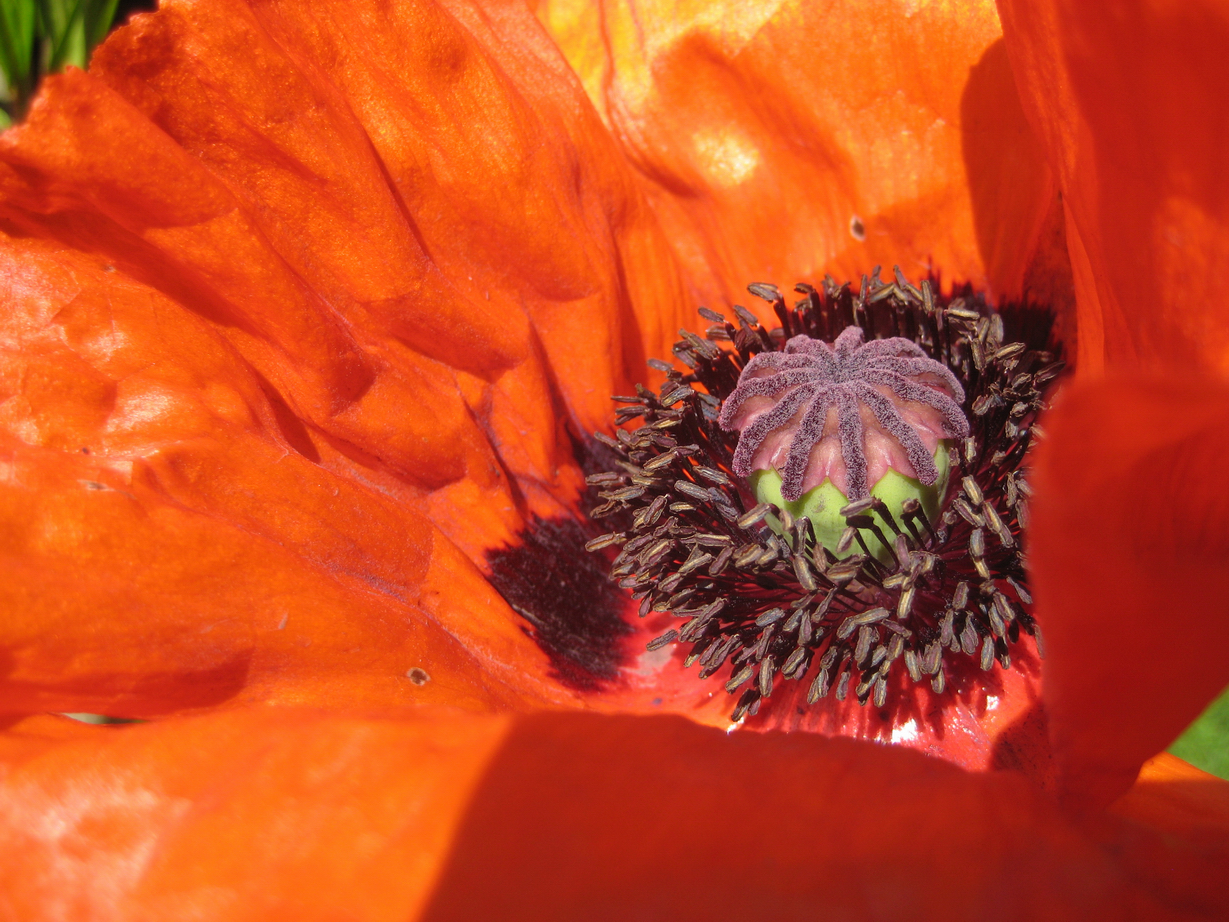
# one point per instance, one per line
(127, 7)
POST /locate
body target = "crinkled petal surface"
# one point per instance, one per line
(1130, 538)
(1131, 103)
(256, 814)
(309, 304)
(293, 342)
(784, 139)
(297, 348)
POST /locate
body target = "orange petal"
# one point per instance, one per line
(304, 180)
(251, 816)
(1175, 795)
(1129, 540)
(327, 336)
(167, 547)
(782, 141)
(1190, 810)
(1129, 104)
(285, 813)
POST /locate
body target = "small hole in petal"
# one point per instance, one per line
(857, 229)
(418, 676)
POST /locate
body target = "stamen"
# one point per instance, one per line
(935, 594)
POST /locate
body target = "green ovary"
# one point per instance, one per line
(823, 504)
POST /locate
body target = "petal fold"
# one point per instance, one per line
(311, 302)
(1130, 103)
(1129, 540)
(783, 140)
(256, 814)
(168, 544)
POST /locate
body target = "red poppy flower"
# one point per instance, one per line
(311, 307)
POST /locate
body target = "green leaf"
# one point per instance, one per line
(17, 43)
(39, 37)
(68, 37)
(98, 17)
(1205, 743)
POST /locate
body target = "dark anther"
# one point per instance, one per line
(939, 601)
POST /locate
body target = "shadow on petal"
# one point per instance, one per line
(1130, 538)
(655, 818)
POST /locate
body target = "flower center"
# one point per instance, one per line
(820, 425)
(847, 394)
(848, 413)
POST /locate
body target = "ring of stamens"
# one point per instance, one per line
(759, 603)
